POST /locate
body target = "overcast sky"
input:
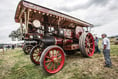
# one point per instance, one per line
(103, 14)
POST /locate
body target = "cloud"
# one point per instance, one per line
(110, 29)
(85, 5)
(99, 2)
(7, 23)
(102, 13)
(113, 5)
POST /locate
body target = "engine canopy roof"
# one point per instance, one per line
(55, 18)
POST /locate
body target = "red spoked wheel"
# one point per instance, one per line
(35, 54)
(86, 43)
(52, 59)
(27, 49)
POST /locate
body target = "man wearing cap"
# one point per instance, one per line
(106, 50)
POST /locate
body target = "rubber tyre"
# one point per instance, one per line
(46, 54)
(87, 45)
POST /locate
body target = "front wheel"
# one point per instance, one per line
(36, 52)
(52, 59)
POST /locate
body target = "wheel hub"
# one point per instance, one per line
(88, 45)
(55, 60)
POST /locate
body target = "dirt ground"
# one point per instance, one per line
(76, 67)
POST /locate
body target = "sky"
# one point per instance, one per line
(103, 14)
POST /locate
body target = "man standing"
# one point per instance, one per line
(106, 50)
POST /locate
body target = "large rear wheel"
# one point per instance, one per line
(86, 43)
(52, 59)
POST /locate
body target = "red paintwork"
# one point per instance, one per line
(62, 41)
(90, 41)
(50, 58)
(71, 47)
(78, 31)
(68, 33)
(67, 41)
(58, 41)
(67, 38)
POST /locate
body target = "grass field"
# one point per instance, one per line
(14, 64)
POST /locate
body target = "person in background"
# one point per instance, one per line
(106, 50)
(13, 46)
(97, 50)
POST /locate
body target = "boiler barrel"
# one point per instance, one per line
(56, 41)
(49, 40)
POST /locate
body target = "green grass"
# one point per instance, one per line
(1, 61)
(14, 64)
(25, 72)
(114, 50)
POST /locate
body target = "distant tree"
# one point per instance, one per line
(16, 35)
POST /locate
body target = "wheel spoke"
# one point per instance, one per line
(87, 40)
(47, 61)
(34, 55)
(51, 66)
(38, 58)
(51, 54)
(48, 64)
(48, 57)
(91, 37)
(87, 50)
(59, 57)
(58, 64)
(91, 43)
(91, 49)
(55, 52)
(35, 51)
(58, 54)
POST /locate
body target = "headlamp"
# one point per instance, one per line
(36, 23)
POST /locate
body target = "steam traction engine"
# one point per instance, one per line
(56, 33)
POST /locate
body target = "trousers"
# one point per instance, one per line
(106, 53)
